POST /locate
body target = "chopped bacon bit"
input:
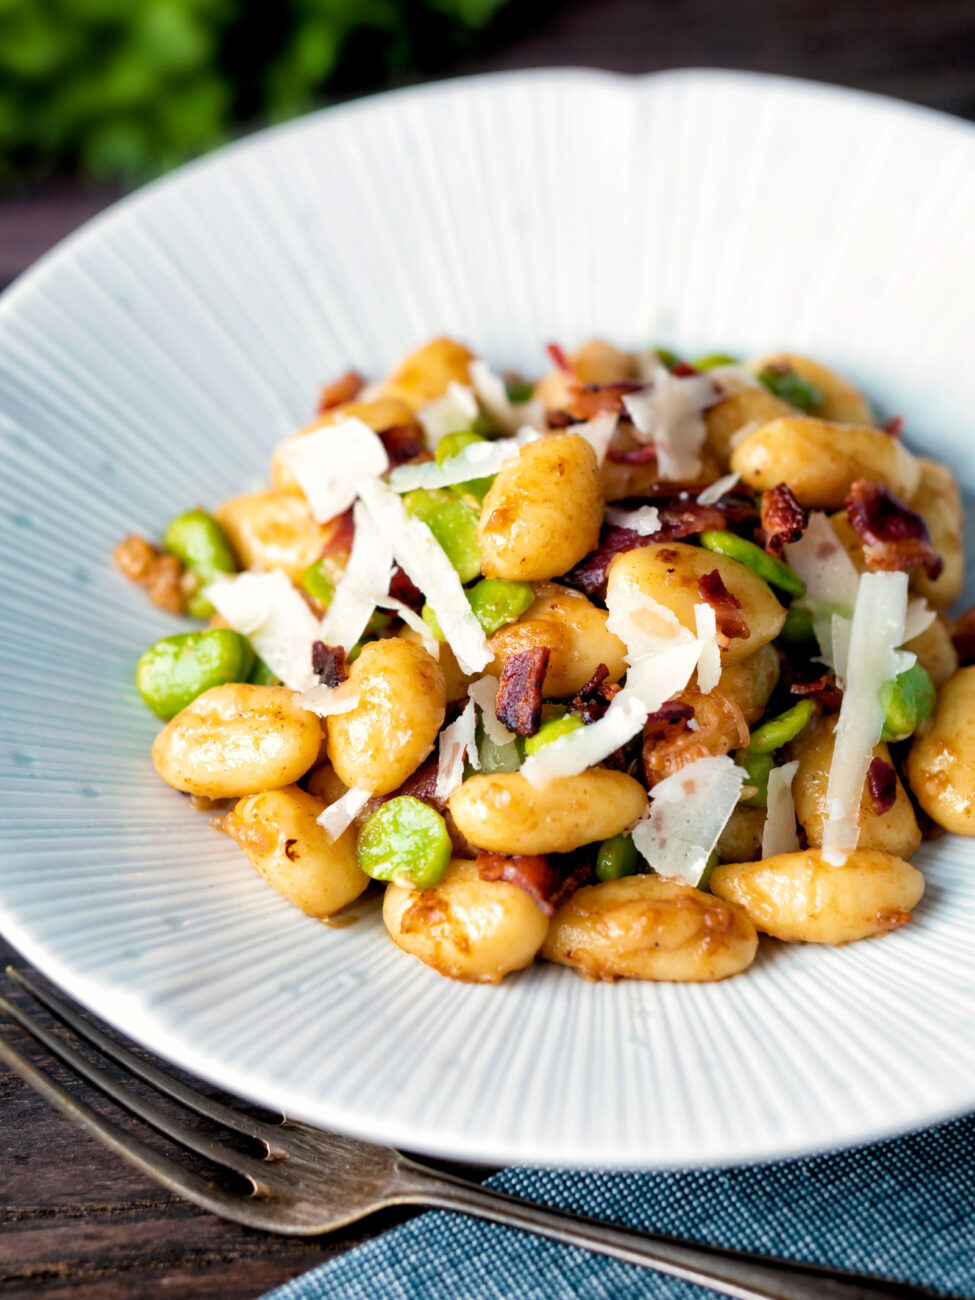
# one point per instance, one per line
(404, 442)
(882, 786)
(160, 576)
(402, 587)
(894, 536)
(783, 518)
(632, 455)
(558, 419)
(683, 369)
(587, 400)
(730, 623)
(342, 534)
(328, 661)
(669, 743)
(519, 700)
(895, 426)
(823, 689)
(344, 389)
(540, 880)
(421, 784)
(595, 697)
(559, 359)
(964, 637)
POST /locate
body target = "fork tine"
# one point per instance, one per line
(154, 1163)
(260, 1172)
(149, 1073)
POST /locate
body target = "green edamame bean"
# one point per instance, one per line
(712, 862)
(778, 731)
(770, 569)
(176, 669)
(498, 758)
(318, 584)
(792, 387)
(715, 359)
(519, 391)
(552, 730)
(405, 841)
(907, 700)
(261, 675)
(758, 766)
(618, 857)
(496, 601)
(666, 357)
(798, 626)
(200, 543)
(452, 445)
(454, 525)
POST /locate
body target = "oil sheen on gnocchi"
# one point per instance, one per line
(619, 665)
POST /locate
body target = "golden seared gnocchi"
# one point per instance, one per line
(671, 572)
(645, 928)
(237, 739)
(820, 461)
(282, 839)
(543, 511)
(562, 683)
(394, 726)
(464, 927)
(802, 898)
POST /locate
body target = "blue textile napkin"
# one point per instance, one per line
(904, 1209)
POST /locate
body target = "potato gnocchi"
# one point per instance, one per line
(620, 668)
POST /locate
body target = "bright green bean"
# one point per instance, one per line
(772, 570)
(666, 357)
(798, 626)
(520, 390)
(552, 730)
(758, 766)
(498, 758)
(712, 862)
(778, 731)
(318, 584)
(454, 525)
(406, 841)
(715, 359)
(784, 382)
(205, 551)
(261, 675)
(618, 857)
(452, 445)
(496, 601)
(907, 700)
(176, 669)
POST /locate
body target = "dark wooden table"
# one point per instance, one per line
(73, 1219)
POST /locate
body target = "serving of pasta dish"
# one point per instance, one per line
(621, 669)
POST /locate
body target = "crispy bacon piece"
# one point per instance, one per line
(632, 455)
(882, 786)
(783, 518)
(328, 661)
(669, 743)
(542, 882)
(402, 587)
(559, 359)
(683, 369)
(558, 419)
(404, 442)
(730, 622)
(893, 535)
(595, 697)
(964, 637)
(823, 689)
(344, 389)
(519, 700)
(587, 400)
(895, 426)
(342, 534)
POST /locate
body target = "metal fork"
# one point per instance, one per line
(308, 1181)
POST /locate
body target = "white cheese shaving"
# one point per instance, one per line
(367, 573)
(709, 661)
(598, 432)
(456, 741)
(779, 833)
(339, 816)
(688, 812)
(830, 577)
(484, 693)
(412, 619)
(493, 397)
(426, 565)
(580, 749)
(476, 460)
(668, 413)
(644, 520)
(328, 461)
(919, 618)
(267, 609)
(873, 659)
(662, 654)
(327, 701)
(716, 490)
(454, 411)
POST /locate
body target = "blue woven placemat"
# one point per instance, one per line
(904, 1209)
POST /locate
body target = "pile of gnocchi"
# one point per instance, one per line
(621, 668)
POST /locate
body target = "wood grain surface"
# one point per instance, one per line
(75, 1220)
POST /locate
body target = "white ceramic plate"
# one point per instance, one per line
(151, 363)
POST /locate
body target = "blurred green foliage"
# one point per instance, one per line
(123, 89)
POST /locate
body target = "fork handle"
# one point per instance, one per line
(726, 1272)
